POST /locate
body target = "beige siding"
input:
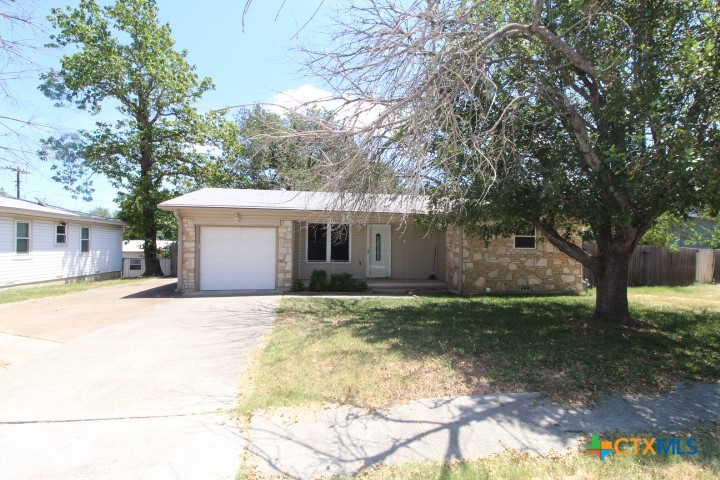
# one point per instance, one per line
(417, 254)
(358, 248)
(413, 251)
(413, 254)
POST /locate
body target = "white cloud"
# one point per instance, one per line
(357, 113)
(306, 96)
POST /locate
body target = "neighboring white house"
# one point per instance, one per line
(134, 248)
(134, 258)
(42, 243)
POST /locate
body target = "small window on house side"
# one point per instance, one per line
(85, 239)
(22, 237)
(61, 234)
(135, 264)
(525, 240)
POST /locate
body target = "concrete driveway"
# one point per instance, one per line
(136, 386)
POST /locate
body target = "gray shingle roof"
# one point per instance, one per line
(26, 207)
(299, 201)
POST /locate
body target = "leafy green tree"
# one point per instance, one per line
(664, 232)
(282, 151)
(267, 150)
(101, 212)
(553, 114)
(704, 231)
(122, 57)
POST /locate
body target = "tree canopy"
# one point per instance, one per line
(124, 58)
(559, 115)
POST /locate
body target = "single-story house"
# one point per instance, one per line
(134, 248)
(235, 239)
(134, 258)
(42, 243)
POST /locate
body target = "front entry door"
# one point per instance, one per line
(379, 250)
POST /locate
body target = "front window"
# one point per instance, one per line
(319, 249)
(22, 237)
(317, 242)
(85, 239)
(61, 234)
(526, 240)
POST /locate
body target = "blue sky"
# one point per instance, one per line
(247, 66)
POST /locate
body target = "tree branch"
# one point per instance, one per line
(569, 248)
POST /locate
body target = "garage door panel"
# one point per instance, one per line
(237, 258)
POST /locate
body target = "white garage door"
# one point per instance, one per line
(237, 258)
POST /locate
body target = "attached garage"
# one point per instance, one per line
(237, 258)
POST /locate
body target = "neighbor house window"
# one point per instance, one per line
(322, 247)
(22, 237)
(525, 240)
(135, 263)
(61, 234)
(85, 239)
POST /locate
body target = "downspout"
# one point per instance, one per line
(179, 286)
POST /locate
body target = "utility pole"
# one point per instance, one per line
(18, 171)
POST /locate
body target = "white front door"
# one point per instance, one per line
(379, 250)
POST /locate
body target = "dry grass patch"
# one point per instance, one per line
(376, 352)
(311, 361)
(702, 297)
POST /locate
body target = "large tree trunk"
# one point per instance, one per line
(611, 301)
(610, 267)
(152, 263)
(149, 209)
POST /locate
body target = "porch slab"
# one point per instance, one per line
(387, 285)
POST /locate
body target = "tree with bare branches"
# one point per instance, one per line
(596, 113)
(18, 29)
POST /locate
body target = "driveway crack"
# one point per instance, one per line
(109, 419)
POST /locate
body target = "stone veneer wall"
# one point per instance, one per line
(284, 255)
(503, 268)
(187, 282)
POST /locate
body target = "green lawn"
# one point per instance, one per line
(374, 352)
(18, 294)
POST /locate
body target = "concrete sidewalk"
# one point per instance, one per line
(345, 441)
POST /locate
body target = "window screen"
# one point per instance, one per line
(317, 242)
(340, 244)
(525, 239)
(318, 247)
(61, 233)
(22, 237)
(85, 239)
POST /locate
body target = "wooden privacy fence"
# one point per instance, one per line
(659, 266)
